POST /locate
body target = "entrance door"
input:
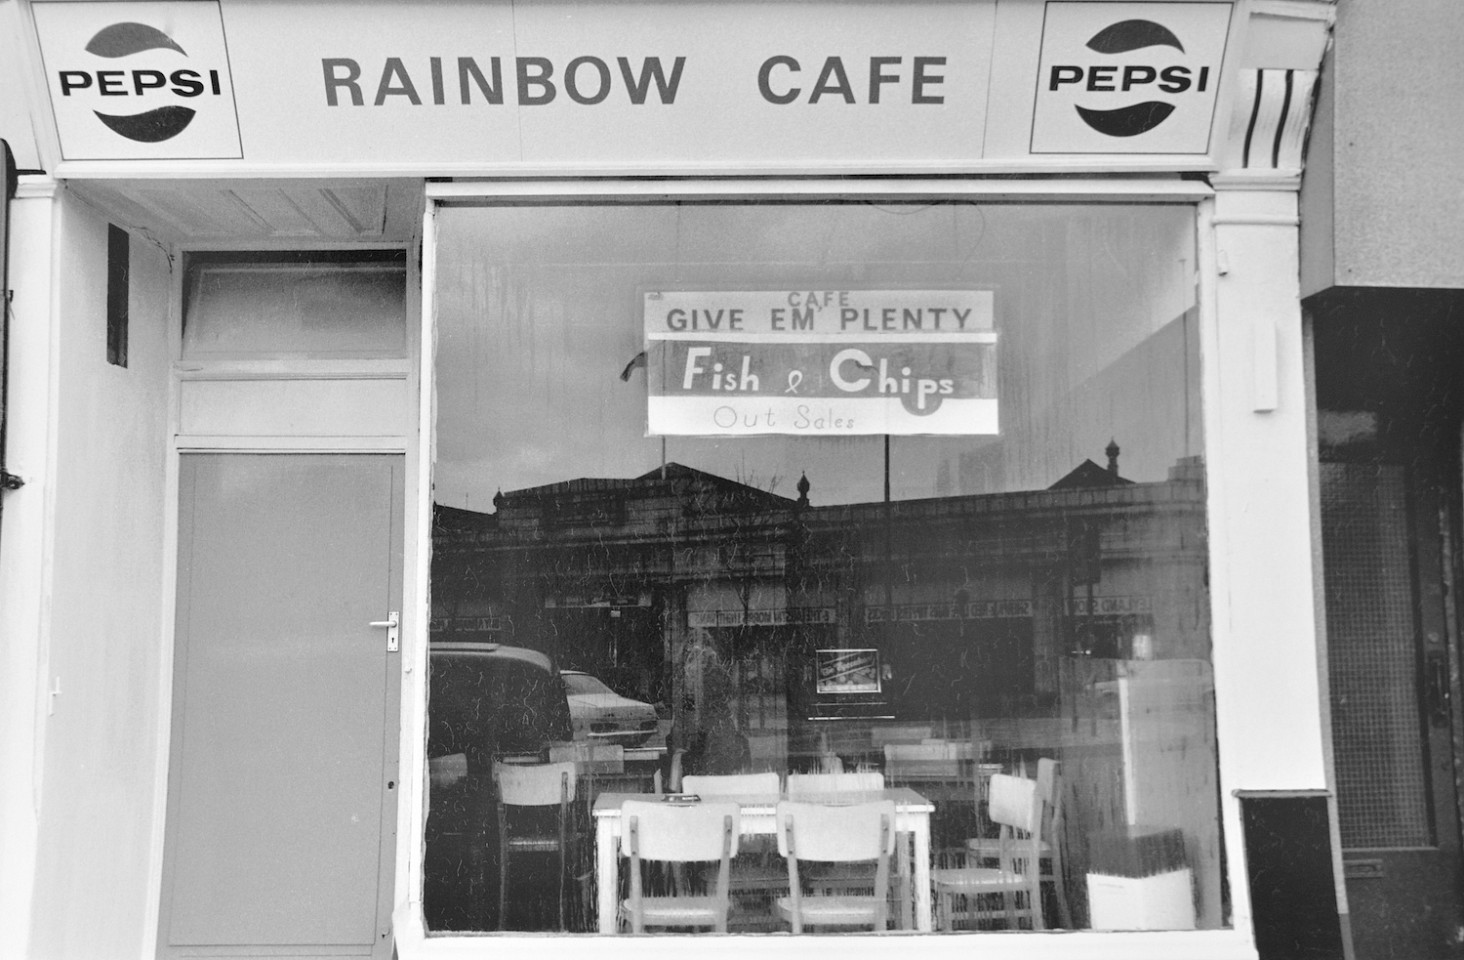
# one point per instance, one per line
(1386, 535)
(282, 785)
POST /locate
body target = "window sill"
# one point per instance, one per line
(294, 369)
(412, 943)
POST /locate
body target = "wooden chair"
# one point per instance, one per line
(814, 785)
(823, 787)
(1016, 806)
(599, 767)
(943, 771)
(848, 833)
(590, 758)
(656, 831)
(909, 762)
(879, 736)
(520, 831)
(756, 876)
(1049, 849)
(731, 785)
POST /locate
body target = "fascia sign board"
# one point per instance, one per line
(227, 87)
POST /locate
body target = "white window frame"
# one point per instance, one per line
(1232, 943)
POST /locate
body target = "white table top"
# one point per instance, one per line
(906, 800)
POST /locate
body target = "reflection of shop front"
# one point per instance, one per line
(767, 584)
(564, 184)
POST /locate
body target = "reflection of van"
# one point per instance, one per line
(487, 700)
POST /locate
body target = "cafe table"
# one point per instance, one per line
(759, 817)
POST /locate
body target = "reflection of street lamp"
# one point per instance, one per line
(889, 560)
(639, 361)
(1085, 567)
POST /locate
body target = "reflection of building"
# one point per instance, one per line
(972, 600)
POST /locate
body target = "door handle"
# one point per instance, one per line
(393, 625)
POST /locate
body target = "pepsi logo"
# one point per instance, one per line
(122, 39)
(149, 70)
(1129, 35)
(1117, 40)
(1129, 77)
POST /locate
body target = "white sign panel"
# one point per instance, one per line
(139, 80)
(1129, 77)
(478, 87)
(820, 362)
(472, 85)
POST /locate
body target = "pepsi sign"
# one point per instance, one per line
(139, 80)
(1124, 78)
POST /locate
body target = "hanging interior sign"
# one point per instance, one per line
(823, 362)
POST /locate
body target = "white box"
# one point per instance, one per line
(1164, 901)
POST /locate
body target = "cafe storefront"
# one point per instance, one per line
(889, 404)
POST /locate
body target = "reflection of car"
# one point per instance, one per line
(600, 713)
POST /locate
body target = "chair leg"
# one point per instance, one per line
(561, 888)
(502, 886)
(1059, 889)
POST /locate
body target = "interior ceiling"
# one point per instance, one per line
(258, 211)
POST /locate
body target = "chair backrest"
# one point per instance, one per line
(818, 784)
(879, 736)
(836, 832)
(590, 757)
(655, 830)
(1014, 802)
(534, 785)
(732, 785)
(1047, 780)
(916, 751)
(922, 761)
(1049, 785)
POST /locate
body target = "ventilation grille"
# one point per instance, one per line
(1372, 639)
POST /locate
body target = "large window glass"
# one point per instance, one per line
(907, 493)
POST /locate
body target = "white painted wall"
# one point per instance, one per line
(1267, 681)
(100, 619)
(24, 540)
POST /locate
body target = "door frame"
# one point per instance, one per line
(398, 437)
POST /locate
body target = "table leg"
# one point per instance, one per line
(902, 867)
(607, 883)
(921, 833)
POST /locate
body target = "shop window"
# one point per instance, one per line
(320, 305)
(913, 491)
